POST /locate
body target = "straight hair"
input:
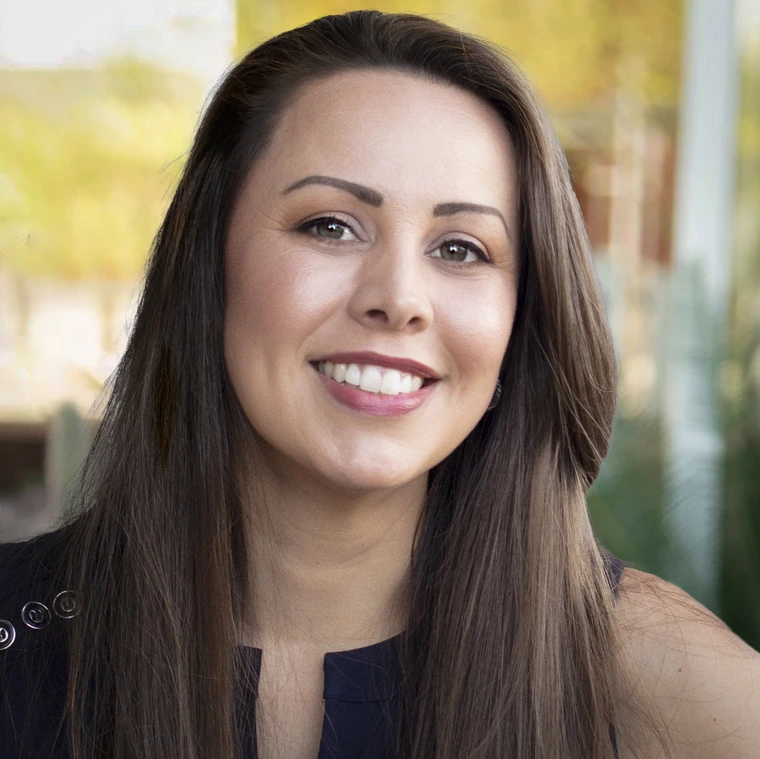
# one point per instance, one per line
(510, 647)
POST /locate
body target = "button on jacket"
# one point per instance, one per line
(359, 685)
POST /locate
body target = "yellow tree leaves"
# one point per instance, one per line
(87, 159)
(571, 49)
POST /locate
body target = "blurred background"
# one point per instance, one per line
(657, 105)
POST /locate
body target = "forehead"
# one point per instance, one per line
(391, 130)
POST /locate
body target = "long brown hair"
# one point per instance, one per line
(509, 649)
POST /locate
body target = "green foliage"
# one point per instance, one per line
(627, 500)
(740, 376)
(740, 580)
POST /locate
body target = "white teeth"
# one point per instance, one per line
(391, 384)
(371, 379)
(353, 375)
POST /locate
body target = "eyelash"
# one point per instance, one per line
(307, 227)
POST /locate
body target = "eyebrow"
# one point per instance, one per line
(374, 198)
(365, 194)
(449, 209)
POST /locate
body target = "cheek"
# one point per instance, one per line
(277, 298)
(478, 325)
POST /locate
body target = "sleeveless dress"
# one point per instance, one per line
(359, 685)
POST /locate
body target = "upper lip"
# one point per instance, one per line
(407, 365)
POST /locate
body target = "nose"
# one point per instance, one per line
(392, 290)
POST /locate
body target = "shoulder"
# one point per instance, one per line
(694, 675)
(31, 596)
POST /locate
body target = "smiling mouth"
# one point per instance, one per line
(373, 379)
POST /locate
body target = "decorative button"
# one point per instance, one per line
(65, 604)
(36, 615)
(7, 634)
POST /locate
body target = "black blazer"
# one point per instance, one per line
(35, 609)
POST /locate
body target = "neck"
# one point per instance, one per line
(330, 569)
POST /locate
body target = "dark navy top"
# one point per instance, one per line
(359, 685)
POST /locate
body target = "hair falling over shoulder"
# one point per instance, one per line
(510, 645)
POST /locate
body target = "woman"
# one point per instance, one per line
(336, 505)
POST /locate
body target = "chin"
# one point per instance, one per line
(378, 475)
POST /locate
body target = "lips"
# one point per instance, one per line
(376, 404)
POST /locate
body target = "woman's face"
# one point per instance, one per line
(380, 220)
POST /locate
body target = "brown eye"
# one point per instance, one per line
(457, 251)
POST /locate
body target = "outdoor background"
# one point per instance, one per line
(657, 104)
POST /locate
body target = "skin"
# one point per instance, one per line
(699, 678)
(342, 490)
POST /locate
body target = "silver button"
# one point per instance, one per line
(36, 615)
(7, 634)
(65, 604)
